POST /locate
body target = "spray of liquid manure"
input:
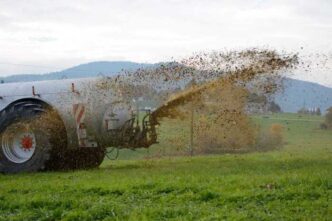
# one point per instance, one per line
(217, 88)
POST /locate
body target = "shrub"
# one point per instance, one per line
(270, 139)
(328, 118)
(276, 132)
(323, 126)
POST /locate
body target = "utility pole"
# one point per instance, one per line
(192, 84)
(191, 144)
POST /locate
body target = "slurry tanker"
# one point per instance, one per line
(67, 124)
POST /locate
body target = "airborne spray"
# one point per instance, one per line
(216, 86)
(221, 104)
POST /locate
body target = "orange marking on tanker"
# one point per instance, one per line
(79, 112)
(80, 116)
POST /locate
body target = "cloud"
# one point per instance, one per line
(42, 39)
(60, 33)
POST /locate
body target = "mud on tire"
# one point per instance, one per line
(81, 158)
(28, 138)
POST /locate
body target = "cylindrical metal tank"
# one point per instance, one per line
(62, 95)
(93, 112)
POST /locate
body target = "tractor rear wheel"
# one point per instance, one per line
(28, 137)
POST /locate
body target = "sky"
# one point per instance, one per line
(39, 36)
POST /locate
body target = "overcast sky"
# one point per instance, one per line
(53, 35)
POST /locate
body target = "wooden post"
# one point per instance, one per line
(191, 144)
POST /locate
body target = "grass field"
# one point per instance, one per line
(294, 183)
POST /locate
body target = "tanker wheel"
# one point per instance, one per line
(84, 158)
(27, 138)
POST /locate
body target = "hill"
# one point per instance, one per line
(91, 69)
(298, 94)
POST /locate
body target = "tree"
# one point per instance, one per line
(328, 118)
(318, 112)
(255, 98)
(274, 107)
(303, 110)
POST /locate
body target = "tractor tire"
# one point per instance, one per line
(29, 137)
(85, 158)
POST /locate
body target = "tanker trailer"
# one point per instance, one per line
(67, 124)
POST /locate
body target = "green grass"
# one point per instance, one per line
(294, 183)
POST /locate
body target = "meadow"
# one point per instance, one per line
(294, 183)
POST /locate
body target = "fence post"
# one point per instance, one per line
(191, 144)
